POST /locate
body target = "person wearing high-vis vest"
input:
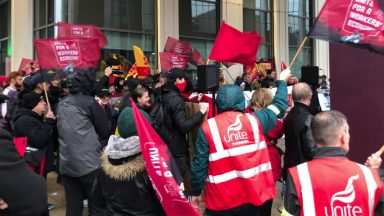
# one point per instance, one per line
(331, 184)
(231, 157)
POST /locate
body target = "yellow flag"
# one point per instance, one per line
(141, 62)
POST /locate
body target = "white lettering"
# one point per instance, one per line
(347, 210)
(358, 8)
(236, 136)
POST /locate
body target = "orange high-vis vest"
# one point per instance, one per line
(239, 169)
(336, 186)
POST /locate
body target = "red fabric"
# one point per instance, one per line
(197, 57)
(283, 66)
(235, 133)
(21, 145)
(208, 100)
(3, 80)
(275, 134)
(361, 24)
(57, 54)
(175, 46)
(335, 187)
(143, 71)
(158, 163)
(81, 31)
(173, 60)
(231, 45)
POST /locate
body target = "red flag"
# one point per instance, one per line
(57, 54)
(28, 66)
(176, 46)
(173, 60)
(353, 22)
(234, 46)
(283, 66)
(81, 31)
(158, 162)
(197, 57)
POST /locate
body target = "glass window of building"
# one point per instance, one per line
(299, 23)
(198, 23)
(124, 22)
(5, 32)
(257, 15)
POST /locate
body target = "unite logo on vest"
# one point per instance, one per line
(235, 135)
(344, 198)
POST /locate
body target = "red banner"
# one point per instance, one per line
(231, 45)
(358, 23)
(158, 163)
(173, 60)
(81, 31)
(57, 54)
(197, 57)
(176, 46)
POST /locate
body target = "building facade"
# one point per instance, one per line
(283, 25)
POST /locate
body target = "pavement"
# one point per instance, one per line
(56, 196)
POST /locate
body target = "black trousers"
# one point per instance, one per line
(76, 190)
(244, 210)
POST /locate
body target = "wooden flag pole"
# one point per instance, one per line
(381, 151)
(298, 51)
(46, 96)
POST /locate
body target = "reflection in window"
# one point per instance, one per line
(198, 18)
(124, 22)
(299, 22)
(5, 32)
(258, 16)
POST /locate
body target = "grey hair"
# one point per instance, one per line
(327, 126)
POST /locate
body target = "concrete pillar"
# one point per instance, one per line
(280, 33)
(21, 31)
(321, 48)
(167, 22)
(232, 13)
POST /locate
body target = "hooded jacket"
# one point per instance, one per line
(123, 187)
(24, 191)
(81, 122)
(231, 98)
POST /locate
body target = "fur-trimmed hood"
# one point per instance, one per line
(125, 171)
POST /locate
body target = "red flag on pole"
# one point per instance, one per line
(231, 45)
(353, 22)
(197, 57)
(173, 60)
(66, 30)
(158, 163)
(176, 46)
(57, 54)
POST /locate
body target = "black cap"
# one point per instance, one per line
(31, 99)
(101, 93)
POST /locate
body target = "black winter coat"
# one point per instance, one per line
(38, 132)
(125, 189)
(177, 121)
(299, 143)
(24, 191)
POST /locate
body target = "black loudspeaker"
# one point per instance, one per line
(207, 77)
(310, 75)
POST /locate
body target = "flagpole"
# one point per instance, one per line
(298, 51)
(46, 96)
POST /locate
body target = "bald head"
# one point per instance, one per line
(302, 92)
(329, 127)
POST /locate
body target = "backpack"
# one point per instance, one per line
(160, 120)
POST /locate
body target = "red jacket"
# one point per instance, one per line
(239, 169)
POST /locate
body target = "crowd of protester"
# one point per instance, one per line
(83, 128)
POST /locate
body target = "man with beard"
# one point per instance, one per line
(15, 83)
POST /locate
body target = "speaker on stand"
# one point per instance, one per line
(310, 75)
(208, 80)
